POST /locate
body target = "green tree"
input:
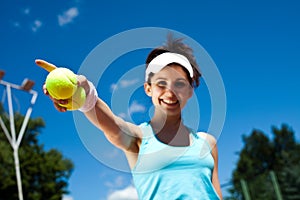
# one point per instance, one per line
(45, 174)
(261, 155)
(287, 162)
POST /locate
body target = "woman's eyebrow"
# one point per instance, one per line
(164, 79)
(160, 78)
(181, 79)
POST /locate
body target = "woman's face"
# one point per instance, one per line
(169, 89)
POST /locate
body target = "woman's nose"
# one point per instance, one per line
(170, 91)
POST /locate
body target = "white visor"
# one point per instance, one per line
(164, 59)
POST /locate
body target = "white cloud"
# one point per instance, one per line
(122, 115)
(127, 83)
(123, 84)
(26, 11)
(66, 197)
(128, 193)
(136, 107)
(68, 16)
(36, 25)
(113, 87)
(16, 24)
(118, 182)
(113, 153)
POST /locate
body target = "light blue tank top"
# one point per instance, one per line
(165, 172)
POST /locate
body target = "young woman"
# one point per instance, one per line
(168, 160)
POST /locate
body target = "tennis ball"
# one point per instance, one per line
(77, 100)
(61, 83)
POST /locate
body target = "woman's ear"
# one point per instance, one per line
(147, 88)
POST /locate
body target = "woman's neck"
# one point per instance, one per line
(170, 130)
(162, 122)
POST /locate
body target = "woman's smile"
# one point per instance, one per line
(169, 103)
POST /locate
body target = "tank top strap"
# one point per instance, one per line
(193, 133)
(146, 130)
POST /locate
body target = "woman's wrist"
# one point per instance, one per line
(91, 98)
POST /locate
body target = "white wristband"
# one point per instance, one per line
(91, 99)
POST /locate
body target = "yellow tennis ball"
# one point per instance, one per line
(77, 100)
(61, 83)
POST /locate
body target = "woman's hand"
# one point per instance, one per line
(58, 103)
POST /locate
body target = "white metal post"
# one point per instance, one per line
(13, 139)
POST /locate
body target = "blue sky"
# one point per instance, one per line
(254, 44)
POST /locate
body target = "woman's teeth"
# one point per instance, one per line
(169, 101)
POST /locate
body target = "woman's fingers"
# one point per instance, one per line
(45, 65)
(57, 102)
(59, 107)
(45, 90)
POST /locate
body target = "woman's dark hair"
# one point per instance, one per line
(177, 46)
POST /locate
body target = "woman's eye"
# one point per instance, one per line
(161, 83)
(180, 84)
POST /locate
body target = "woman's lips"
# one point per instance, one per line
(169, 102)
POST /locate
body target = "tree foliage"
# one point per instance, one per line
(261, 155)
(44, 173)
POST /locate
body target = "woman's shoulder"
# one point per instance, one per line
(210, 139)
